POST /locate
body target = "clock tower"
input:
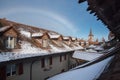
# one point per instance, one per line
(90, 37)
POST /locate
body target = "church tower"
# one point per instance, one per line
(90, 37)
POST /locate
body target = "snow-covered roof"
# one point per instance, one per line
(37, 34)
(73, 38)
(66, 46)
(99, 48)
(91, 72)
(28, 47)
(91, 51)
(29, 50)
(55, 49)
(86, 55)
(2, 29)
(54, 36)
(65, 37)
(92, 46)
(77, 46)
(26, 33)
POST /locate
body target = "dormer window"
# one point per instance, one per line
(10, 42)
(45, 43)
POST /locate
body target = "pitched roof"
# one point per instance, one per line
(3, 29)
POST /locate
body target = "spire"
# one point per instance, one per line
(103, 40)
(97, 40)
(90, 34)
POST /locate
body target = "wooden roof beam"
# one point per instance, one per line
(91, 11)
(88, 9)
(80, 1)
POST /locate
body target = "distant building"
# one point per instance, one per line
(91, 40)
(90, 37)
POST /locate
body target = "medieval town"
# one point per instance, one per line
(29, 52)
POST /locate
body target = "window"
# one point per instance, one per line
(63, 57)
(10, 42)
(46, 62)
(11, 70)
(43, 63)
(45, 43)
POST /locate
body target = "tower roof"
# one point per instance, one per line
(90, 34)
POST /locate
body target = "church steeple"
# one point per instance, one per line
(90, 36)
(103, 40)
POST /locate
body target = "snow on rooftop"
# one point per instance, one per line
(52, 36)
(37, 34)
(25, 33)
(99, 48)
(64, 49)
(65, 37)
(73, 38)
(86, 55)
(78, 47)
(91, 72)
(4, 28)
(7, 56)
(67, 47)
(91, 50)
(3, 57)
(55, 49)
(28, 48)
(92, 46)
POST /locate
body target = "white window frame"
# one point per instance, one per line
(10, 42)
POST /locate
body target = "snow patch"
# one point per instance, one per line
(52, 36)
(91, 72)
(28, 48)
(85, 55)
(4, 28)
(91, 50)
(37, 34)
(26, 34)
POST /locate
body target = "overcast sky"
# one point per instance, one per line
(64, 16)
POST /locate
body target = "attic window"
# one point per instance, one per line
(45, 43)
(10, 42)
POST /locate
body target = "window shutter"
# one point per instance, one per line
(60, 58)
(20, 71)
(50, 60)
(65, 57)
(42, 62)
(3, 73)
